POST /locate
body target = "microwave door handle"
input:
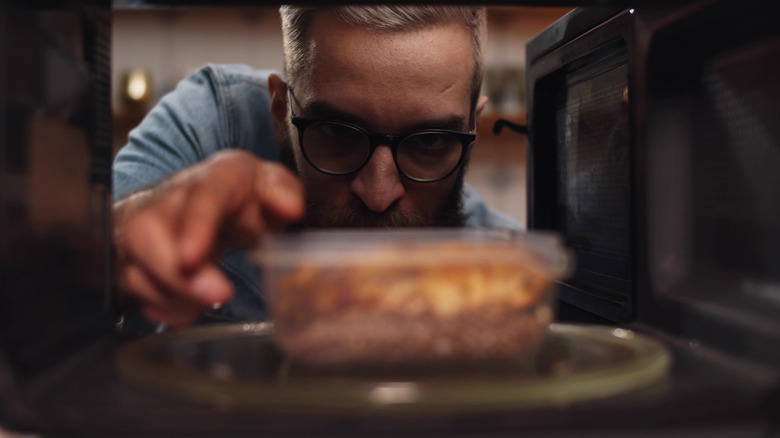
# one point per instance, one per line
(501, 123)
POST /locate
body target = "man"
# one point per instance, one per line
(372, 127)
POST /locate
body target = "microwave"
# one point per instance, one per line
(652, 149)
(652, 146)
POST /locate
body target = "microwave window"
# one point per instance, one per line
(736, 177)
(714, 168)
(594, 172)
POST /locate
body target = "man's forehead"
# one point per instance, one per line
(438, 57)
(394, 80)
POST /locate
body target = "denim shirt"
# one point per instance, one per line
(226, 107)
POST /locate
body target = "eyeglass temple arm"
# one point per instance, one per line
(289, 99)
(501, 123)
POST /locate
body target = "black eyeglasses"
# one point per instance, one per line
(338, 148)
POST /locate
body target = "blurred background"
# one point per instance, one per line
(153, 49)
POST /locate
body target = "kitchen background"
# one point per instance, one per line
(155, 48)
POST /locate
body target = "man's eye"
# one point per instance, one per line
(335, 130)
(429, 143)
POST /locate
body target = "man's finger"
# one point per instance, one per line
(150, 243)
(235, 194)
(201, 221)
(217, 191)
(280, 192)
(210, 287)
(142, 288)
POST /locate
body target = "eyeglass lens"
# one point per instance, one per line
(429, 156)
(334, 147)
(340, 148)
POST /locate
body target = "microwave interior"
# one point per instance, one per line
(653, 148)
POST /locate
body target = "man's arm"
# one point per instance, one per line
(186, 191)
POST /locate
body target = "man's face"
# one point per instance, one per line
(387, 83)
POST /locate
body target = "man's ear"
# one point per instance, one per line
(277, 91)
(481, 101)
(481, 105)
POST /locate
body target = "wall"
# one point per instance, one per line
(173, 43)
(170, 44)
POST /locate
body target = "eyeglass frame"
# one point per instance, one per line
(375, 140)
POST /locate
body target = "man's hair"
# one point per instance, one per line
(296, 21)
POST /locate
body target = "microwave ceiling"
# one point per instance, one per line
(621, 4)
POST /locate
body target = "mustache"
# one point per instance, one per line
(355, 214)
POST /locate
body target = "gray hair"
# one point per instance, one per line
(296, 21)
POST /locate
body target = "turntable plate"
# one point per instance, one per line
(238, 365)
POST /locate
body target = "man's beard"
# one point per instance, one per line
(320, 214)
(355, 214)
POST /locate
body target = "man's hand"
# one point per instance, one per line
(169, 238)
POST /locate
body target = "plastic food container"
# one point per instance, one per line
(403, 296)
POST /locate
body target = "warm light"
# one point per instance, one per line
(137, 85)
(136, 89)
(395, 393)
(623, 333)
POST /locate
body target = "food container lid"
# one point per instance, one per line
(419, 247)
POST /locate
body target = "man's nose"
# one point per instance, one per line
(378, 184)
